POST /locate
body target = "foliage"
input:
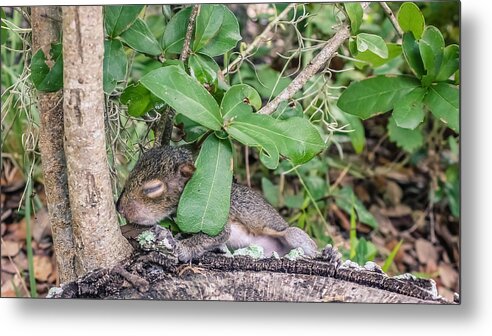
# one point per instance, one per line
(408, 87)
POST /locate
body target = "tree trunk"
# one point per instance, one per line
(98, 239)
(46, 22)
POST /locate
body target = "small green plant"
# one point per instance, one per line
(408, 97)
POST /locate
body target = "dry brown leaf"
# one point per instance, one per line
(398, 211)
(20, 260)
(3, 228)
(10, 248)
(393, 192)
(8, 266)
(449, 276)
(9, 287)
(19, 229)
(446, 293)
(42, 267)
(426, 252)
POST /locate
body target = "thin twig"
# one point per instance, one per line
(392, 17)
(164, 128)
(189, 33)
(259, 39)
(321, 58)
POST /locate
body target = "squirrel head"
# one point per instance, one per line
(154, 186)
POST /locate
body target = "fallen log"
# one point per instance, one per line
(153, 272)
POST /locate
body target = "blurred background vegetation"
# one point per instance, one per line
(374, 196)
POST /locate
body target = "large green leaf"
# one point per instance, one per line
(174, 35)
(411, 51)
(372, 43)
(43, 77)
(295, 138)
(117, 19)
(408, 139)
(225, 38)
(443, 101)
(269, 152)
(450, 62)
(138, 99)
(239, 99)
(375, 95)
(184, 94)
(205, 201)
(346, 199)
(208, 23)
(355, 13)
(140, 38)
(409, 110)
(411, 19)
(114, 65)
(203, 68)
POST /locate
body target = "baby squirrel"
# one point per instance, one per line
(152, 193)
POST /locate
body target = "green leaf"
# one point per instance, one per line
(138, 99)
(117, 19)
(270, 191)
(405, 138)
(140, 38)
(391, 257)
(361, 252)
(174, 35)
(394, 50)
(225, 38)
(450, 62)
(376, 95)
(208, 23)
(355, 13)
(203, 68)
(205, 201)
(296, 138)
(411, 51)
(264, 80)
(43, 77)
(372, 43)
(346, 199)
(409, 110)
(286, 110)
(184, 94)
(358, 135)
(193, 131)
(443, 101)
(411, 19)
(269, 152)
(114, 66)
(431, 48)
(240, 98)
(4, 32)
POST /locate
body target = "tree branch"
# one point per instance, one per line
(392, 18)
(259, 39)
(164, 128)
(321, 58)
(44, 32)
(189, 33)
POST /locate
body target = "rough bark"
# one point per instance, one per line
(98, 239)
(152, 275)
(153, 272)
(46, 25)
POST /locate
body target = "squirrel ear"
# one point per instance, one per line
(187, 169)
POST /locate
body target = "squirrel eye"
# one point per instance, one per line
(154, 188)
